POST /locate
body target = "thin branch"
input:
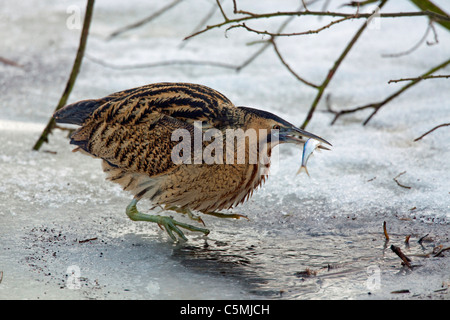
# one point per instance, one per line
(254, 16)
(145, 20)
(358, 3)
(333, 70)
(421, 78)
(398, 183)
(162, 64)
(378, 105)
(275, 47)
(265, 46)
(221, 11)
(430, 131)
(417, 45)
(279, 34)
(202, 22)
(10, 62)
(405, 259)
(73, 75)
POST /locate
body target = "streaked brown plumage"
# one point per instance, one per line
(131, 131)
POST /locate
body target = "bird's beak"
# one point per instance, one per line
(295, 135)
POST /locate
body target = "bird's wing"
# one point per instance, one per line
(184, 101)
(145, 147)
(133, 129)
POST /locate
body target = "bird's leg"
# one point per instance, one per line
(185, 211)
(169, 223)
(226, 215)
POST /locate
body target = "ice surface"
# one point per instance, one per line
(330, 223)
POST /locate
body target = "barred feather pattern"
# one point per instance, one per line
(131, 131)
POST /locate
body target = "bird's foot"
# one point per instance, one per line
(226, 215)
(185, 211)
(168, 223)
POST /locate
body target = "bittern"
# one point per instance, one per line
(132, 131)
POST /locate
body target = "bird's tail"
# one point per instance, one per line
(76, 113)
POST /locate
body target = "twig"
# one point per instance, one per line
(437, 127)
(333, 70)
(275, 47)
(73, 75)
(430, 6)
(378, 105)
(10, 62)
(265, 46)
(278, 34)
(385, 231)
(202, 22)
(400, 291)
(398, 183)
(87, 240)
(420, 78)
(254, 16)
(358, 3)
(402, 256)
(161, 64)
(145, 20)
(221, 11)
(421, 239)
(440, 251)
(417, 45)
(407, 239)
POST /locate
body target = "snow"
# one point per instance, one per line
(49, 201)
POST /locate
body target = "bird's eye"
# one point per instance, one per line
(276, 127)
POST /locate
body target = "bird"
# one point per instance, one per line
(137, 133)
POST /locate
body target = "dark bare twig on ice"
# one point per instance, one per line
(437, 127)
(398, 183)
(10, 62)
(407, 239)
(423, 238)
(405, 259)
(87, 240)
(386, 236)
(440, 251)
(400, 291)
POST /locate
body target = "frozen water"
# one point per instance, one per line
(64, 232)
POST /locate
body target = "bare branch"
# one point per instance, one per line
(417, 45)
(279, 34)
(275, 47)
(205, 19)
(145, 20)
(254, 16)
(10, 62)
(430, 131)
(162, 64)
(73, 75)
(333, 70)
(221, 11)
(378, 105)
(398, 183)
(420, 78)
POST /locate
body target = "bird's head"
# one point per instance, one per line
(278, 130)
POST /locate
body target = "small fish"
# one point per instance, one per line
(308, 149)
